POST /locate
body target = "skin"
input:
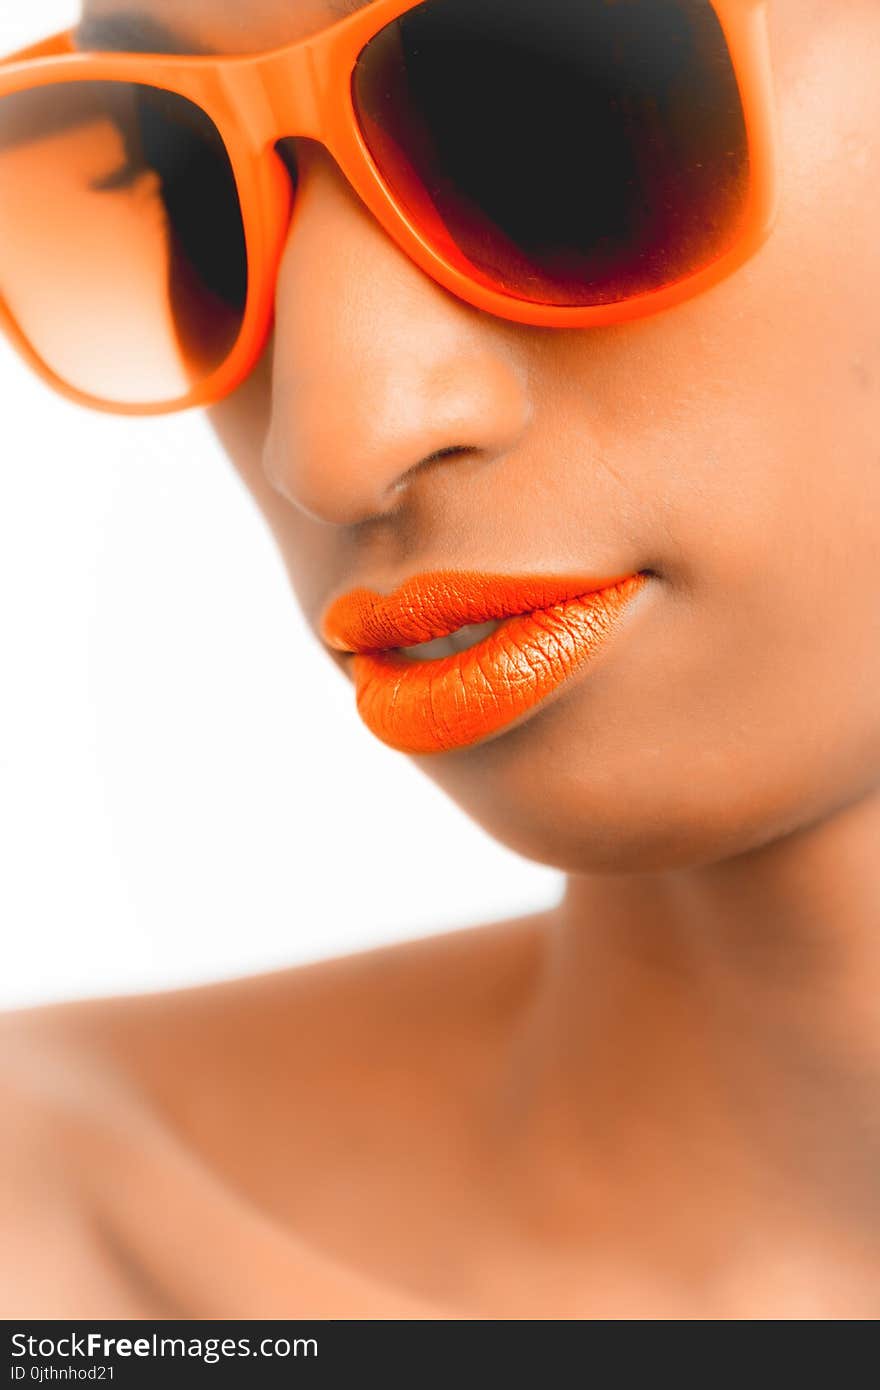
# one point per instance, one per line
(661, 1099)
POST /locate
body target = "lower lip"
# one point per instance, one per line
(456, 701)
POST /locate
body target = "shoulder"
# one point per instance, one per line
(98, 1067)
(59, 1111)
(72, 1132)
(167, 1049)
(192, 1100)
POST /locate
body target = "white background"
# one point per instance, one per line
(186, 792)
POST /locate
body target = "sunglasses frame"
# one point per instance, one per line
(305, 89)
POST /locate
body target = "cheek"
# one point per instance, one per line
(739, 442)
(769, 387)
(779, 505)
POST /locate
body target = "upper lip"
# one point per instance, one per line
(438, 603)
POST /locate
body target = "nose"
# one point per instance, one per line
(377, 370)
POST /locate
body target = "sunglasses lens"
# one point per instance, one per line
(122, 251)
(564, 153)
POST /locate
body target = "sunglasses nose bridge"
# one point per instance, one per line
(283, 96)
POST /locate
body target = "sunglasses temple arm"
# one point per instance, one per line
(52, 47)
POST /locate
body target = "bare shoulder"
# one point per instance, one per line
(58, 1113)
(223, 1100)
(167, 1045)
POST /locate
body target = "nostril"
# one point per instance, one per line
(403, 482)
(445, 453)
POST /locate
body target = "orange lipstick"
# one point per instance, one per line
(428, 699)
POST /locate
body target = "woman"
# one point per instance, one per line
(575, 356)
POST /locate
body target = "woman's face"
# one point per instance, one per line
(731, 446)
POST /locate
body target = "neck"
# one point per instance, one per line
(708, 1041)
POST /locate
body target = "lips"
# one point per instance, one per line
(550, 627)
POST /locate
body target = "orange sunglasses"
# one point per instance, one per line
(557, 163)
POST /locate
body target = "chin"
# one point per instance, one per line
(599, 795)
